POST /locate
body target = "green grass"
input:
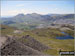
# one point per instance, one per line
(6, 30)
(47, 37)
(51, 52)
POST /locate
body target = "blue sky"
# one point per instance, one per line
(11, 8)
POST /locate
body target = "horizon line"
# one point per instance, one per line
(38, 13)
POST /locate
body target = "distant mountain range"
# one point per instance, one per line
(37, 19)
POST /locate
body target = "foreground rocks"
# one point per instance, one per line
(13, 46)
(2, 40)
(16, 48)
(31, 42)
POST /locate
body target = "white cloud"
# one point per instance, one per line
(56, 9)
(14, 12)
(27, 11)
(20, 5)
(9, 13)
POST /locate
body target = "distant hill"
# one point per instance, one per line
(35, 20)
(8, 22)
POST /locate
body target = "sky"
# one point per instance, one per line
(11, 8)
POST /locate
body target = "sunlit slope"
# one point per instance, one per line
(45, 36)
(48, 37)
(6, 30)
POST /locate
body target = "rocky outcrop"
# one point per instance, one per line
(31, 42)
(2, 41)
(17, 48)
(13, 46)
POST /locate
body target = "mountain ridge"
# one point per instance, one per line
(35, 19)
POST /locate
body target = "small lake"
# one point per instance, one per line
(65, 37)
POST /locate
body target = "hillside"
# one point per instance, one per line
(34, 20)
(15, 47)
(4, 29)
(35, 42)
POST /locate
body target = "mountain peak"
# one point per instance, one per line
(35, 14)
(21, 14)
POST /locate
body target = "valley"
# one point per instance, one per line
(37, 28)
(38, 41)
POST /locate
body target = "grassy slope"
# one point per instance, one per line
(45, 36)
(23, 26)
(6, 30)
